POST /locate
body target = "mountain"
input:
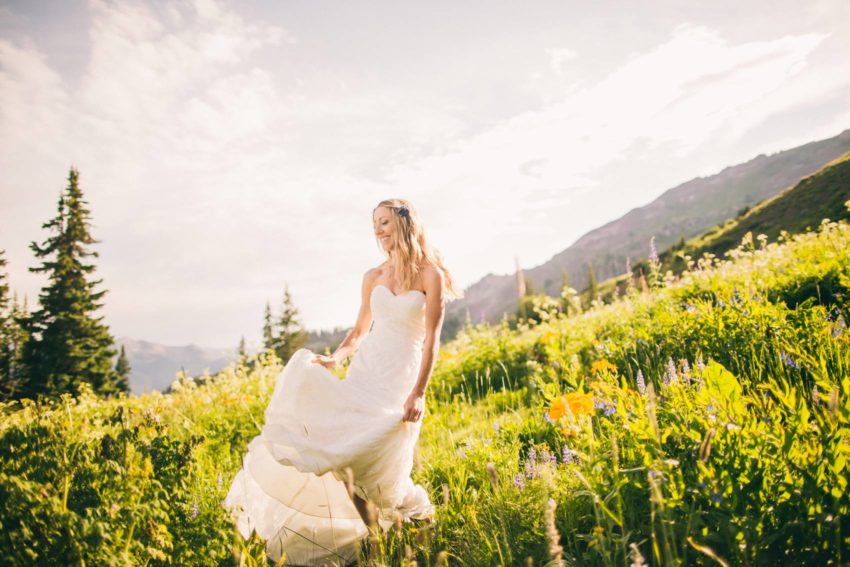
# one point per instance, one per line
(683, 212)
(154, 366)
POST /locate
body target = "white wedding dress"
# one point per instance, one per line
(290, 488)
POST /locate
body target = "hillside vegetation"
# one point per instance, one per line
(798, 208)
(702, 422)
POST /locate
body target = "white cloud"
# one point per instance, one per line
(215, 177)
(668, 101)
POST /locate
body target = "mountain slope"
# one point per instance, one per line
(819, 196)
(682, 212)
(153, 366)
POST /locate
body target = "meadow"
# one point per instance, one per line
(701, 419)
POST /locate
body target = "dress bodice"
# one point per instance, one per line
(402, 314)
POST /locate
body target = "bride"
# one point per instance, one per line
(334, 455)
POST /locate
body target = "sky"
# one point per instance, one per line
(229, 149)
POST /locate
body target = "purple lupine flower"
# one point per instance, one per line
(670, 375)
(530, 469)
(641, 385)
(690, 308)
(700, 365)
(790, 362)
(496, 425)
(519, 481)
(532, 454)
(544, 455)
(553, 459)
(653, 253)
(736, 297)
(567, 455)
(607, 408)
(686, 370)
(194, 514)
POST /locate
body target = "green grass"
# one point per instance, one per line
(735, 450)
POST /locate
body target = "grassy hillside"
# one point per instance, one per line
(798, 208)
(706, 420)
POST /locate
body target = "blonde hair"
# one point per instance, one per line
(411, 247)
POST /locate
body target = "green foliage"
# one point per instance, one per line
(717, 429)
(67, 345)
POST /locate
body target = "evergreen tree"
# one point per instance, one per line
(7, 386)
(122, 369)
(592, 287)
(243, 352)
(67, 344)
(268, 329)
(290, 335)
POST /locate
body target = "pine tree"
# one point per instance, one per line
(290, 335)
(243, 352)
(68, 345)
(7, 387)
(268, 329)
(122, 369)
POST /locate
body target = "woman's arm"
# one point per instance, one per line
(361, 327)
(435, 310)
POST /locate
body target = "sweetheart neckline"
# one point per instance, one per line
(400, 294)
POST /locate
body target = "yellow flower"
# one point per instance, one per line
(580, 404)
(545, 337)
(602, 365)
(558, 409)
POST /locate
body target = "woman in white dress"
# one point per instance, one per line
(294, 487)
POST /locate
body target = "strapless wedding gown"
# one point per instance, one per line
(290, 488)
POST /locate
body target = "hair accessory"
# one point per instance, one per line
(403, 211)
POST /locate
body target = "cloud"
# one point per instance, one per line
(669, 101)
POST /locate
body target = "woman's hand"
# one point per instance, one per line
(414, 407)
(326, 361)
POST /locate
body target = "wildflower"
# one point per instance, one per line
(641, 385)
(194, 514)
(519, 481)
(736, 297)
(544, 456)
(653, 252)
(547, 417)
(602, 366)
(790, 362)
(670, 375)
(496, 427)
(607, 408)
(690, 308)
(579, 404)
(686, 370)
(700, 365)
(557, 409)
(530, 469)
(816, 395)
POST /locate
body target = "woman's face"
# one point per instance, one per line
(384, 227)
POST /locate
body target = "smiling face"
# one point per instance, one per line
(384, 226)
